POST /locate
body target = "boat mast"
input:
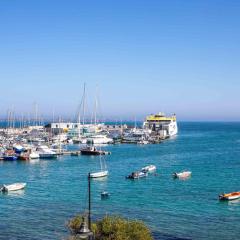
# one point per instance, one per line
(84, 90)
(36, 113)
(79, 122)
(101, 165)
(95, 107)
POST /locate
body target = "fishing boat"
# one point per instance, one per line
(24, 156)
(149, 168)
(229, 196)
(137, 175)
(46, 152)
(93, 151)
(13, 187)
(10, 155)
(182, 174)
(18, 148)
(10, 158)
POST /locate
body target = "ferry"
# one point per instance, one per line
(163, 125)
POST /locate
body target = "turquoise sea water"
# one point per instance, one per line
(174, 209)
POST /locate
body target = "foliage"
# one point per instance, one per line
(114, 228)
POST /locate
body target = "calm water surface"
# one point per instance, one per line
(57, 189)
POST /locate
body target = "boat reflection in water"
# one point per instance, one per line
(18, 193)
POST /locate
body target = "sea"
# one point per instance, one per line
(172, 208)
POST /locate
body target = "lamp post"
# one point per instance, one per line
(84, 231)
(89, 201)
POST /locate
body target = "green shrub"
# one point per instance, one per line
(114, 228)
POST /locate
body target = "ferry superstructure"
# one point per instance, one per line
(162, 124)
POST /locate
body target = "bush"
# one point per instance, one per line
(114, 228)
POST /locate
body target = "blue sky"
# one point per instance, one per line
(174, 56)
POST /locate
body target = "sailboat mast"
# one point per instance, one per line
(84, 90)
(101, 162)
(79, 122)
(95, 108)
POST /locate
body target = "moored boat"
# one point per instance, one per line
(136, 175)
(104, 194)
(46, 152)
(184, 174)
(13, 187)
(99, 139)
(10, 155)
(24, 156)
(93, 151)
(99, 174)
(34, 155)
(149, 168)
(229, 196)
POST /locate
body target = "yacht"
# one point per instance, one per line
(99, 139)
(46, 152)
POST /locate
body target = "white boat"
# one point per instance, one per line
(182, 174)
(137, 175)
(149, 168)
(34, 155)
(103, 172)
(13, 187)
(143, 142)
(46, 152)
(99, 139)
(99, 174)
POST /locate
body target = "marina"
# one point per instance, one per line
(58, 186)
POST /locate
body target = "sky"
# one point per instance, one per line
(174, 56)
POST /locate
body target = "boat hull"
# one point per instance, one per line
(34, 156)
(137, 175)
(182, 175)
(10, 158)
(149, 169)
(13, 187)
(229, 196)
(46, 155)
(99, 174)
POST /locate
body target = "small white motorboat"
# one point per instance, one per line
(99, 174)
(182, 174)
(149, 169)
(137, 175)
(13, 187)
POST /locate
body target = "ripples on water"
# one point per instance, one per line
(57, 189)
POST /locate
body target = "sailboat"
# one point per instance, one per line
(103, 172)
(98, 138)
